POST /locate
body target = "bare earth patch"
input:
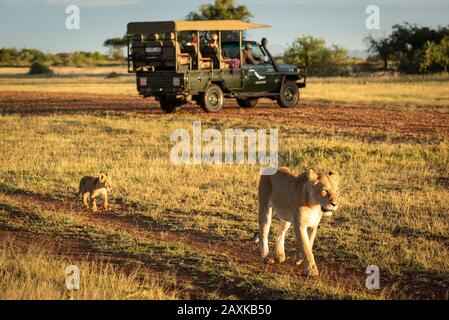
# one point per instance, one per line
(412, 123)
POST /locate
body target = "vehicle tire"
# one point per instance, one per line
(247, 103)
(168, 106)
(212, 99)
(289, 97)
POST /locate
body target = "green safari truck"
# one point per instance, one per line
(180, 62)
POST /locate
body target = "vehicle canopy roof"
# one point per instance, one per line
(176, 26)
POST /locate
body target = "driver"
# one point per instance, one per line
(248, 54)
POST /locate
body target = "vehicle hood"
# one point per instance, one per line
(288, 67)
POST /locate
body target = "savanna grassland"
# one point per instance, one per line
(185, 231)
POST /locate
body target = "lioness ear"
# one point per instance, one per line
(102, 177)
(335, 176)
(312, 176)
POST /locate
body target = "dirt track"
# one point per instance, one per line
(374, 121)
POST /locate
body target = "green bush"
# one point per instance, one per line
(317, 58)
(436, 56)
(39, 68)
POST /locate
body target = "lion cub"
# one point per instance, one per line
(93, 188)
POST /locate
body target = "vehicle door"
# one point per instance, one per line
(262, 77)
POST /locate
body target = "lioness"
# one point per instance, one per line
(300, 200)
(93, 188)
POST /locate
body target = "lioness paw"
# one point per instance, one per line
(311, 271)
(281, 258)
(268, 260)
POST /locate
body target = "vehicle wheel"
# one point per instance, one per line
(168, 106)
(247, 103)
(212, 99)
(289, 97)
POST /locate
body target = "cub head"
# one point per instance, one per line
(323, 189)
(104, 181)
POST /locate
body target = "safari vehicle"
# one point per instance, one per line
(178, 62)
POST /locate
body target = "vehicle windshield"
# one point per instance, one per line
(257, 52)
(231, 50)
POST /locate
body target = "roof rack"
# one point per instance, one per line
(176, 26)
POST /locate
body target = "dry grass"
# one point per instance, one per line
(124, 85)
(37, 275)
(393, 214)
(401, 93)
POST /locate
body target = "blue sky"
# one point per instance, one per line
(41, 23)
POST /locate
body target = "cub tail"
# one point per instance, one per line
(255, 238)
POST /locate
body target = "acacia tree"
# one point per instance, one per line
(382, 48)
(221, 10)
(116, 46)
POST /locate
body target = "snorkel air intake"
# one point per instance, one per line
(264, 44)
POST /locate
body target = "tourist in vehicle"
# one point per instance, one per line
(192, 41)
(231, 63)
(248, 55)
(213, 41)
(191, 47)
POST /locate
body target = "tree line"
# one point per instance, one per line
(413, 49)
(409, 48)
(25, 57)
